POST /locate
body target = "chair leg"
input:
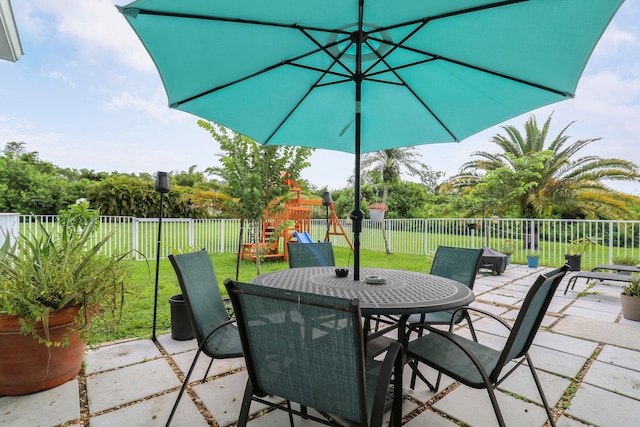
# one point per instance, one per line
(207, 373)
(184, 386)
(290, 414)
(540, 391)
(496, 408)
(246, 405)
(396, 410)
(415, 372)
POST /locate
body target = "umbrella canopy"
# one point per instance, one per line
(366, 75)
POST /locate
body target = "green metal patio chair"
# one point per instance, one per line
(480, 366)
(216, 334)
(459, 264)
(309, 349)
(310, 254)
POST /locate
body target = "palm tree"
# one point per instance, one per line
(388, 165)
(564, 184)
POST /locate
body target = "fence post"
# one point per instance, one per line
(191, 233)
(134, 223)
(610, 260)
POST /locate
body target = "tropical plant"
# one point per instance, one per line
(508, 247)
(579, 246)
(632, 288)
(625, 260)
(386, 166)
(566, 186)
(49, 269)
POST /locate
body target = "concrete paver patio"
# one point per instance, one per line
(587, 357)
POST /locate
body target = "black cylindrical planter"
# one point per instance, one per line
(573, 261)
(180, 326)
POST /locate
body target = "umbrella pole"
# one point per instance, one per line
(357, 215)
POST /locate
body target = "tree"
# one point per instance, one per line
(29, 185)
(567, 186)
(386, 166)
(255, 174)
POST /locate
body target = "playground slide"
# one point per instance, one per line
(303, 237)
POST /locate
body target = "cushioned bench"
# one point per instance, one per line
(599, 276)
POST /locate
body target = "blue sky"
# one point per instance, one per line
(86, 95)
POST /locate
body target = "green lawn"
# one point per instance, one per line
(137, 317)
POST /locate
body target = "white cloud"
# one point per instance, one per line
(614, 39)
(124, 101)
(99, 30)
(56, 75)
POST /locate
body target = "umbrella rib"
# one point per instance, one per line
(435, 56)
(324, 73)
(249, 76)
(138, 11)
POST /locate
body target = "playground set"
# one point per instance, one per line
(291, 224)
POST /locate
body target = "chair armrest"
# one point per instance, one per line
(416, 326)
(213, 331)
(392, 360)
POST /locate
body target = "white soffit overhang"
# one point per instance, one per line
(10, 47)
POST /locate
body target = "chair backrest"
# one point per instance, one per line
(310, 254)
(529, 318)
(303, 347)
(459, 264)
(201, 292)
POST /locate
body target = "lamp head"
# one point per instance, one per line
(326, 199)
(162, 184)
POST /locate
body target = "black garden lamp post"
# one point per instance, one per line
(162, 186)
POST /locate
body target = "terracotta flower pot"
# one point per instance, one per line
(630, 307)
(26, 366)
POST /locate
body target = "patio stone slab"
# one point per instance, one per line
(620, 357)
(558, 362)
(43, 409)
(223, 397)
(153, 412)
(172, 346)
(478, 412)
(120, 355)
(521, 382)
(610, 333)
(113, 388)
(614, 378)
(590, 314)
(431, 419)
(605, 300)
(565, 343)
(219, 366)
(603, 408)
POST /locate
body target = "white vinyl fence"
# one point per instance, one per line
(551, 238)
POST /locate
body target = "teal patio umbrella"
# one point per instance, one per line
(366, 75)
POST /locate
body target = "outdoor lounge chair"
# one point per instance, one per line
(216, 334)
(309, 349)
(480, 366)
(310, 254)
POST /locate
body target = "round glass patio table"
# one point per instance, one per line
(402, 293)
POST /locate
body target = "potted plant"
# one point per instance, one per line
(577, 247)
(507, 249)
(53, 282)
(630, 300)
(533, 258)
(377, 210)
